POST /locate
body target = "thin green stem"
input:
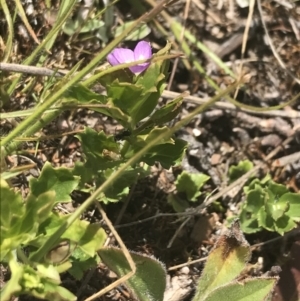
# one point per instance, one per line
(22, 256)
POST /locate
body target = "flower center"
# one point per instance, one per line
(141, 57)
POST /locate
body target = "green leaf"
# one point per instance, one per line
(149, 281)
(255, 201)
(120, 186)
(257, 182)
(191, 183)
(137, 100)
(294, 201)
(276, 207)
(88, 237)
(129, 98)
(12, 287)
(133, 99)
(81, 263)
(12, 209)
(257, 289)
(265, 220)
(20, 220)
(224, 263)
(13, 172)
(96, 142)
(44, 283)
(164, 64)
(144, 107)
(284, 224)
(167, 112)
(86, 175)
(138, 34)
(124, 95)
(122, 75)
(178, 204)
(41, 282)
(166, 154)
(237, 171)
(72, 27)
(151, 79)
(60, 180)
(151, 84)
(277, 189)
(84, 95)
(269, 205)
(248, 225)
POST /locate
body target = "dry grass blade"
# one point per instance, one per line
(245, 37)
(25, 21)
(175, 65)
(9, 42)
(275, 53)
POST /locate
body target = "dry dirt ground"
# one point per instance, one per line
(217, 138)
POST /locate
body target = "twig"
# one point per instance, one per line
(286, 160)
(291, 114)
(31, 70)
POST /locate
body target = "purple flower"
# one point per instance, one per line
(122, 55)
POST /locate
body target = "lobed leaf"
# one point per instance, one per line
(191, 183)
(88, 237)
(236, 171)
(120, 186)
(293, 199)
(60, 180)
(167, 112)
(19, 220)
(167, 154)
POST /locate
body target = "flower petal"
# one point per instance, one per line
(120, 56)
(112, 60)
(142, 51)
(139, 68)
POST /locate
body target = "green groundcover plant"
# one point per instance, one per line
(38, 242)
(268, 205)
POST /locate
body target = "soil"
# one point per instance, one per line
(218, 138)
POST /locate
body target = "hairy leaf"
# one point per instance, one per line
(247, 290)
(225, 262)
(149, 281)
